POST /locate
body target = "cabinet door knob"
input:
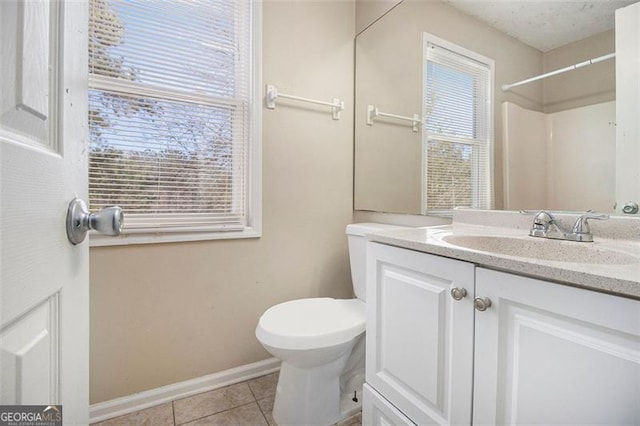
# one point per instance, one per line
(482, 303)
(458, 293)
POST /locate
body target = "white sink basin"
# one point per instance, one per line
(542, 249)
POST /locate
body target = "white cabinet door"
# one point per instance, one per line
(552, 354)
(44, 280)
(419, 339)
(377, 411)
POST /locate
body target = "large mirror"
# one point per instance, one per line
(553, 139)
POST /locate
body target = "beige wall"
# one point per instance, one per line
(165, 313)
(585, 86)
(368, 11)
(389, 75)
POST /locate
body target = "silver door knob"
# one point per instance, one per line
(458, 293)
(107, 221)
(482, 303)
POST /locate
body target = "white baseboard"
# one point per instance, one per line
(139, 401)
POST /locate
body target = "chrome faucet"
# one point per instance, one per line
(546, 226)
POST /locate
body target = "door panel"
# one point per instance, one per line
(24, 344)
(29, 84)
(413, 305)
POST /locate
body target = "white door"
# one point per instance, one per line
(627, 105)
(419, 338)
(44, 312)
(552, 354)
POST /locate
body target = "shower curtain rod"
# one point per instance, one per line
(506, 87)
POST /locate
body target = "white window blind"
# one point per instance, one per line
(170, 112)
(457, 130)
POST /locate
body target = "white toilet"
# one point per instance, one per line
(321, 344)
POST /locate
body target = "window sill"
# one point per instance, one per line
(97, 240)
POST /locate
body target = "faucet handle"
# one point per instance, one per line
(581, 229)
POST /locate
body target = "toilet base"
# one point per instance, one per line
(351, 381)
(348, 408)
(309, 396)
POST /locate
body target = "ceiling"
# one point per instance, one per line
(545, 24)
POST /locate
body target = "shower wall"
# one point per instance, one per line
(559, 161)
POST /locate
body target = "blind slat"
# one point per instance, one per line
(457, 131)
(169, 138)
(155, 42)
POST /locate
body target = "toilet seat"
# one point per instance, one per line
(312, 323)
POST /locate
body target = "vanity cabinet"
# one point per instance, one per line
(540, 353)
(419, 339)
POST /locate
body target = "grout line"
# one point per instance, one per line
(209, 391)
(255, 398)
(263, 413)
(251, 390)
(173, 411)
(264, 416)
(219, 412)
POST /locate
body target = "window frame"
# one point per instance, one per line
(253, 190)
(430, 38)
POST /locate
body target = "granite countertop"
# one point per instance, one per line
(610, 264)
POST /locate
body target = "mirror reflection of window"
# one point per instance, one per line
(458, 128)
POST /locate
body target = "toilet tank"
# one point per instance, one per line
(358, 253)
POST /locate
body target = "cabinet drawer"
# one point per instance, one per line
(377, 411)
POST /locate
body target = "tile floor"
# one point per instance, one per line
(248, 403)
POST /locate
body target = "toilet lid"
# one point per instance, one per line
(312, 323)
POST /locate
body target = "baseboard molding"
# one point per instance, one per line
(139, 401)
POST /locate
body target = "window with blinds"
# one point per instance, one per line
(458, 128)
(171, 117)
